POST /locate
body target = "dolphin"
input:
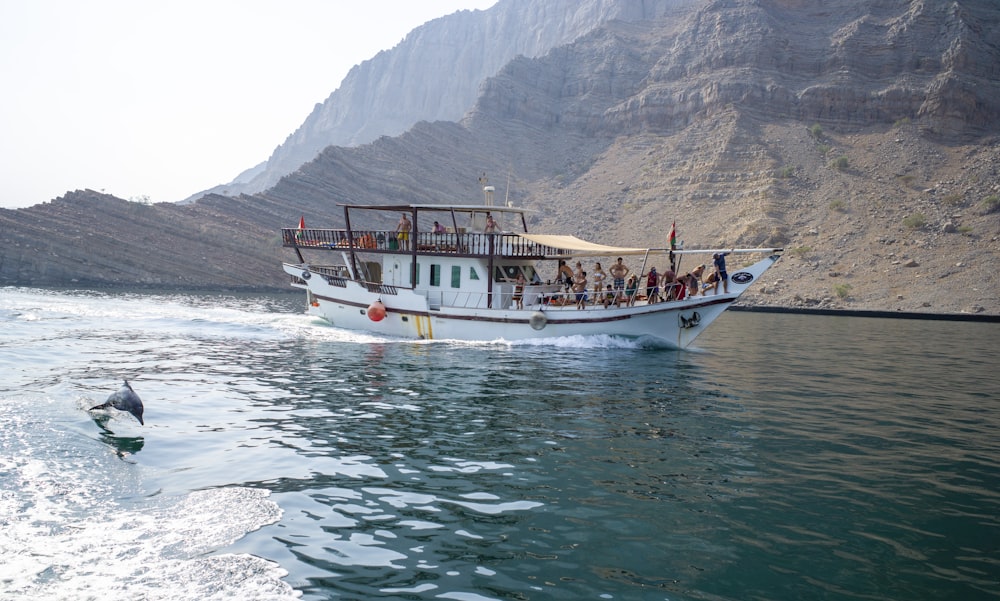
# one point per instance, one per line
(124, 400)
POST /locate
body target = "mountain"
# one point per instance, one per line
(860, 135)
(434, 75)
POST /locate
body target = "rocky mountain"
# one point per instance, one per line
(859, 134)
(434, 74)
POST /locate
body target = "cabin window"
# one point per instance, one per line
(472, 274)
(435, 275)
(456, 276)
(415, 274)
(505, 273)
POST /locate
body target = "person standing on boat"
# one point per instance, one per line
(438, 228)
(652, 286)
(580, 288)
(403, 231)
(671, 287)
(630, 290)
(694, 280)
(565, 275)
(598, 277)
(491, 225)
(519, 291)
(618, 272)
(719, 260)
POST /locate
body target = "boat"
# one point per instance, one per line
(460, 282)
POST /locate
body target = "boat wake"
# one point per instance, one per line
(76, 524)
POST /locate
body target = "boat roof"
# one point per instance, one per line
(578, 246)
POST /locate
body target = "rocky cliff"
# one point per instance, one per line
(434, 75)
(858, 134)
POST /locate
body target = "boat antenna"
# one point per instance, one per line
(487, 190)
(506, 194)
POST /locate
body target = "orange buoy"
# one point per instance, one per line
(376, 311)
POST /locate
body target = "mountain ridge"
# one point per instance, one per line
(697, 116)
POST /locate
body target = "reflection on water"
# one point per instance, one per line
(788, 457)
(123, 445)
(757, 462)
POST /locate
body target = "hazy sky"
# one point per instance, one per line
(164, 99)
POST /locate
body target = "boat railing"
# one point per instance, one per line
(462, 243)
(539, 297)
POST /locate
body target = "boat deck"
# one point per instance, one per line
(426, 243)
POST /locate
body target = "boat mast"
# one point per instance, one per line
(350, 243)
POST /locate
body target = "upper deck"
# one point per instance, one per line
(424, 243)
(464, 232)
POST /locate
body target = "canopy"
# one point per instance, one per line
(577, 245)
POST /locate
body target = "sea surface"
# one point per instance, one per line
(786, 457)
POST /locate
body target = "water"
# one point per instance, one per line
(787, 457)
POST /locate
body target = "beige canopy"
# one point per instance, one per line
(576, 246)
(572, 243)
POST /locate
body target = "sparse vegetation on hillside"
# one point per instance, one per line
(915, 221)
(990, 204)
(842, 290)
(840, 163)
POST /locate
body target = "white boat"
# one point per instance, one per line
(461, 283)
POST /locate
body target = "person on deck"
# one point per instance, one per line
(610, 297)
(618, 272)
(519, 291)
(438, 228)
(580, 288)
(491, 225)
(598, 276)
(719, 260)
(712, 281)
(403, 231)
(694, 281)
(565, 275)
(652, 286)
(671, 287)
(631, 289)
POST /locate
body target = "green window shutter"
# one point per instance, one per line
(456, 276)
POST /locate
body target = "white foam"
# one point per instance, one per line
(74, 524)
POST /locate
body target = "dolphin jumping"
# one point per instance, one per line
(124, 400)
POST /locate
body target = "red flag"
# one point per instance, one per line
(673, 236)
(302, 222)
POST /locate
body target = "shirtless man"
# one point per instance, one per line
(618, 272)
(565, 274)
(403, 231)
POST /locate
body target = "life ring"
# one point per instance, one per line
(537, 320)
(376, 311)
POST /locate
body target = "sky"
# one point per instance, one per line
(156, 101)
